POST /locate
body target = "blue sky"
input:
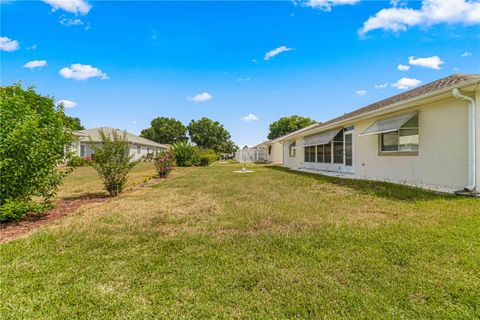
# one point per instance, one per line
(140, 60)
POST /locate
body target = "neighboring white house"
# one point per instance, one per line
(427, 137)
(253, 154)
(138, 146)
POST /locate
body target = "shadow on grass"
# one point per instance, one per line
(86, 196)
(377, 188)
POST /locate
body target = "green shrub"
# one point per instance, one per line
(14, 210)
(164, 163)
(185, 154)
(112, 161)
(33, 143)
(207, 157)
(76, 161)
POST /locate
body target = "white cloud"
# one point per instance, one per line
(35, 64)
(250, 117)
(406, 83)
(67, 22)
(380, 86)
(326, 5)
(433, 62)
(32, 47)
(79, 71)
(272, 53)
(361, 93)
(7, 44)
(67, 103)
(243, 79)
(201, 97)
(72, 6)
(403, 67)
(431, 12)
(466, 54)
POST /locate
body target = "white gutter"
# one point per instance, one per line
(471, 138)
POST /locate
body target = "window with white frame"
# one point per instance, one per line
(269, 150)
(139, 149)
(292, 152)
(405, 139)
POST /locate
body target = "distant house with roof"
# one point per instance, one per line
(138, 146)
(427, 137)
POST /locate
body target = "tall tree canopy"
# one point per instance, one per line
(165, 130)
(286, 125)
(72, 123)
(210, 134)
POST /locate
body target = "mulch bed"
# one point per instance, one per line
(12, 230)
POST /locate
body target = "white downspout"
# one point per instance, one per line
(471, 138)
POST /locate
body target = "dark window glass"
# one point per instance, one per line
(310, 154)
(338, 148)
(348, 150)
(328, 153)
(390, 141)
(320, 153)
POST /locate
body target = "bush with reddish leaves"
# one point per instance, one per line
(163, 162)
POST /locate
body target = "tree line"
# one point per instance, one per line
(205, 133)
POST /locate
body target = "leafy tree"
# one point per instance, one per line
(165, 130)
(185, 154)
(287, 125)
(33, 143)
(72, 123)
(209, 134)
(112, 161)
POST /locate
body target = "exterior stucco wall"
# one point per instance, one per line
(443, 151)
(276, 155)
(442, 160)
(477, 147)
(292, 162)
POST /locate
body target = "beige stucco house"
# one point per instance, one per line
(427, 137)
(138, 146)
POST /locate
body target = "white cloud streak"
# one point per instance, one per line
(361, 93)
(403, 67)
(67, 22)
(326, 5)
(72, 6)
(79, 71)
(201, 97)
(35, 64)
(68, 104)
(432, 12)
(433, 62)
(406, 83)
(272, 53)
(466, 54)
(250, 117)
(380, 86)
(7, 44)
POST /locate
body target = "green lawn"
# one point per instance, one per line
(273, 244)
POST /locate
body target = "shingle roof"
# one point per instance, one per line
(95, 136)
(429, 87)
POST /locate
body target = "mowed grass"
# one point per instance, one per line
(272, 244)
(84, 181)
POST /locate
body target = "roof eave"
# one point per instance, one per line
(390, 108)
